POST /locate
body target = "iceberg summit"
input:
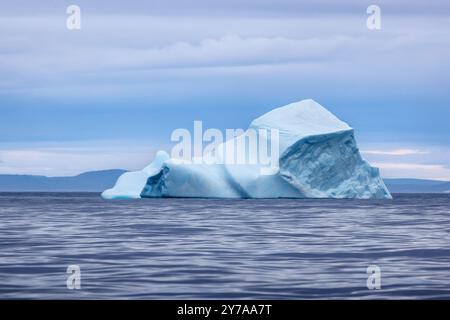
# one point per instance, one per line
(316, 156)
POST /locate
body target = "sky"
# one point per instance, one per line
(109, 94)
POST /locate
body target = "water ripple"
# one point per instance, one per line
(223, 249)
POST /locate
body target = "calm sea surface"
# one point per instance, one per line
(215, 249)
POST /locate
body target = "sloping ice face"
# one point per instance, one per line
(130, 184)
(318, 158)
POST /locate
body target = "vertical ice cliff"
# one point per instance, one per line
(317, 158)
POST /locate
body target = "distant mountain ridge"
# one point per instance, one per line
(92, 181)
(97, 181)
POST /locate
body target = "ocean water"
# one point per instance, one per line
(223, 249)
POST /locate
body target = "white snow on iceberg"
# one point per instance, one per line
(318, 158)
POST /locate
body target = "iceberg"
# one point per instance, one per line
(317, 157)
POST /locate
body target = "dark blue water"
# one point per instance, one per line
(186, 248)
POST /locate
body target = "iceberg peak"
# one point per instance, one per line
(302, 118)
(298, 120)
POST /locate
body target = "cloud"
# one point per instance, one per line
(409, 166)
(226, 51)
(39, 52)
(38, 55)
(68, 159)
(229, 7)
(396, 152)
(413, 170)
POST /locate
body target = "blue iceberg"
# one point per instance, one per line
(317, 157)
